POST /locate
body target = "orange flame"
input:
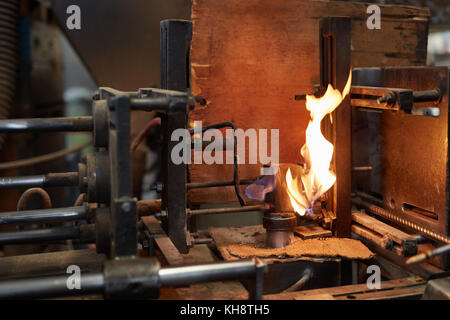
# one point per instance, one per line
(317, 152)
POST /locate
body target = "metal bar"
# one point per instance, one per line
(335, 42)
(174, 51)
(52, 286)
(203, 241)
(379, 227)
(66, 179)
(70, 124)
(371, 91)
(39, 235)
(383, 241)
(43, 215)
(372, 104)
(197, 185)
(153, 104)
(180, 276)
(427, 96)
(123, 206)
(50, 263)
(200, 212)
(365, 168)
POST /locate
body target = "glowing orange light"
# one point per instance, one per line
(317, 152)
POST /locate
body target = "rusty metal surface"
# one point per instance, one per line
(50, 263)
(408, 288)
(411, 170)
(312, 230)
(169, 251)
(335, 46)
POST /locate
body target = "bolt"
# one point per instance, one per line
(126, 206)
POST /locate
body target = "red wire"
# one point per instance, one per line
(141, 136)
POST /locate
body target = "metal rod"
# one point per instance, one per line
(427, 95)
(50, 286)
(428, 254)
(39, 235)
(200, 212)
(73, 124)
(179, 276)
(203, 241)
(196, 185)
(54, 286)
(383, 241)
(66, 179)
(43, 215)
(153, 104)
(365, 168)
(301, 282)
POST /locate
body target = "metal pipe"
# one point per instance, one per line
(301, 282)
(428, 254)
(40, 235)
(150, 104)
(65, 179)
(427, 95)
(364, 168)
(203, 241)
(200, 212)
(43, 215)
(70, 124)
(383, 241)
(54, 286)
(50, 286)
(23, 200)
(180, 276)
(196, 185)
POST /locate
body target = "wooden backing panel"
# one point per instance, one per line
(250, 58)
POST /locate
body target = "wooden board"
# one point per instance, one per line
(250, 58)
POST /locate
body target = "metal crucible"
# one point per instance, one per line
(279, 228)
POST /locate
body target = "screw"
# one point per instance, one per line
(126, 206)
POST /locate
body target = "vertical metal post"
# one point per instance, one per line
(175, 37)
(335, 66)
(123, 207)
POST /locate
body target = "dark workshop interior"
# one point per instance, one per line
(224, 150)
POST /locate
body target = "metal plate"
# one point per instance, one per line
(411, 169)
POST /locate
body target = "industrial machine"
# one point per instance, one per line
(391, 194)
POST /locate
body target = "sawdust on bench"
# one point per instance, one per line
(247, 242)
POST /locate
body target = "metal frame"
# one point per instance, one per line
(335, 66)
(175, 35)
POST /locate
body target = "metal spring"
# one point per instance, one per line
(386, 214)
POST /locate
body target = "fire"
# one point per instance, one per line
(317, 152)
